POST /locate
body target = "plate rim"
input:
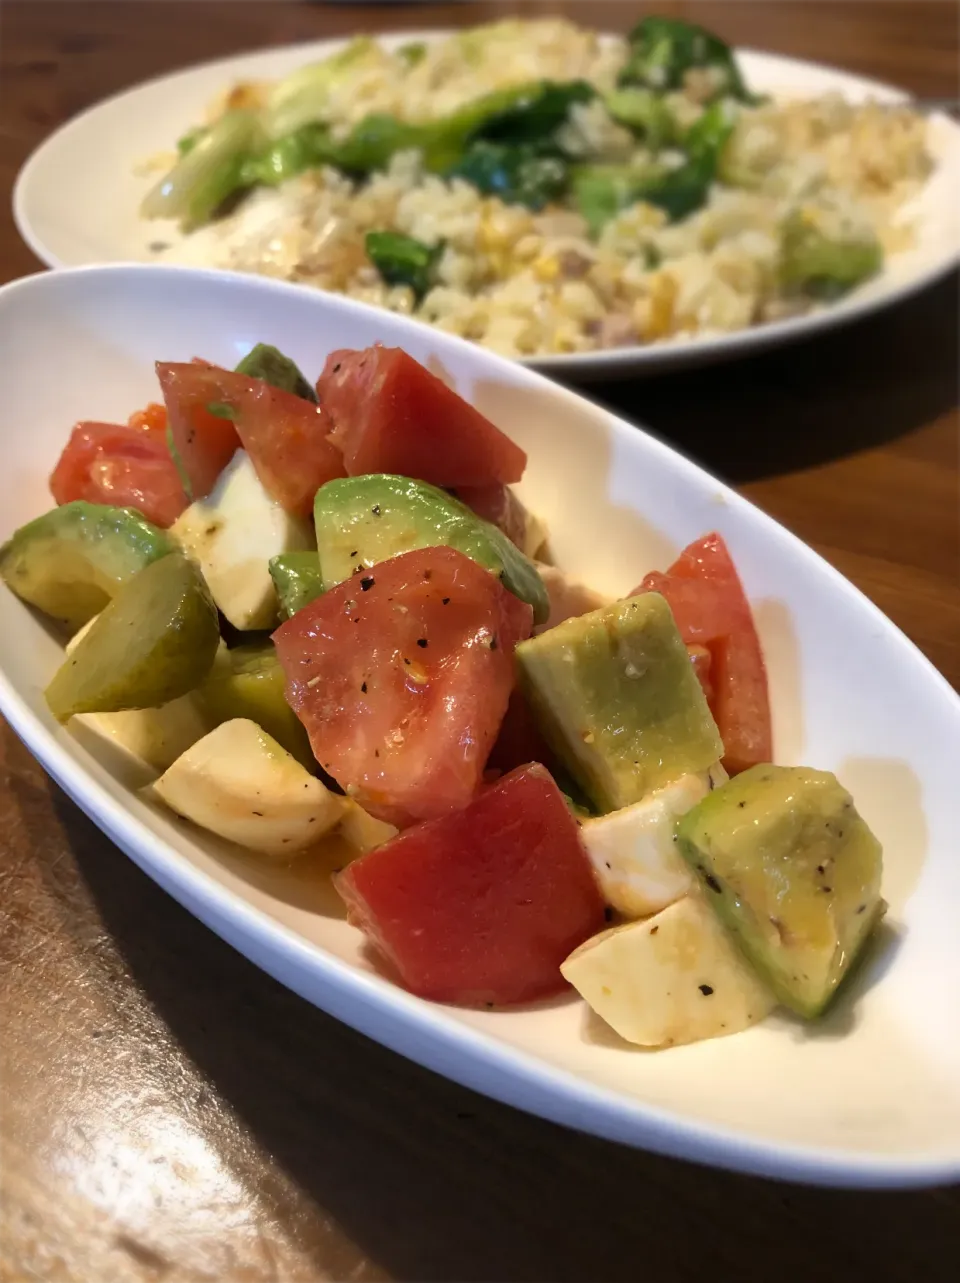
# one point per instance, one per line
(639, 360)
(607, 1112)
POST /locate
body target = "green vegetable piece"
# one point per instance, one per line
(269, 364)
(519, 175)
(71, 561)
(371, 143)
(154, 642)
(363, 520)
(601, 191)
(530, 113)
(663, 50)
(210, 172)
(413, 53)
(645, 114)
(616, 698)
(189, 140)
(401, 260)
(297, 579)
(824, 268)
(305, 148)
(249, 682)
(304, 95)
(794, 873)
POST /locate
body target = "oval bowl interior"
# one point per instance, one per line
(871, 1096)
(98, 159)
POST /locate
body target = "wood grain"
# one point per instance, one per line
(166, 1111)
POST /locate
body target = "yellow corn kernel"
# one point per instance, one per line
(654, 315)
(546, 268)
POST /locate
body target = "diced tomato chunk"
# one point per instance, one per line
(203, 443)
(500, 506)
(481, 906)
(285, 436)
(401, 676)
(390, 414)
(120, 465)
(702, 662)
(519, 741)
(711, 608)
(152, 418)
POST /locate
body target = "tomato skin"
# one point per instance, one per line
(500, 506)
(702, 662)
(204, 442)
(519, 740)
(401, 677)
(285, 436)
(120, 465)
(481, 906)
(390, 414)
(711, 609)
(152, 418)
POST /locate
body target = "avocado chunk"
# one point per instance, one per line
(793, 872)
(248, 682)
(617, 699)
(72, 560)
(363, 520)
(154, 642)
(269, 364)
(297, 579)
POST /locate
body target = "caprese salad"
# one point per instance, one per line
(323, 612)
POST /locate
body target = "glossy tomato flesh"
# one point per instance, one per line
(401, 676)
(284, 435)
(120, 465)
(711, 608)
(500, 506)
(484, 905)
(390, 414)
(203, 443)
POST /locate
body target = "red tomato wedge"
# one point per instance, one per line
(124, 466)
(203, 442)
(498, 505)
(390, 414)
(481, 906)
(712, 611)
(284, 435)
(152, 418)
(401, 676)
(519, 740)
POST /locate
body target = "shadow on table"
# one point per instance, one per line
(435, 1183)
(808, 402)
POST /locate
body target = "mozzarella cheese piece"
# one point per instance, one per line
(633, 852)
(364, 832)
(673, 978)
(155, 737)
(232, 534)
(239, 783)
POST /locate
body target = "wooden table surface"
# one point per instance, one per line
(169, 1113)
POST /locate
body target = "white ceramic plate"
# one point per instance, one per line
(870, 1097)
(77, 197)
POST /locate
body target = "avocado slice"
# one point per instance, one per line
(71, 561)
(793, 871)
(154, 642)
(297, 579)
(269, 364)
(248, 682)
(363, 520)
(617, 699)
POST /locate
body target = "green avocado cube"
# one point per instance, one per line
(617, 698)
(794, 873)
